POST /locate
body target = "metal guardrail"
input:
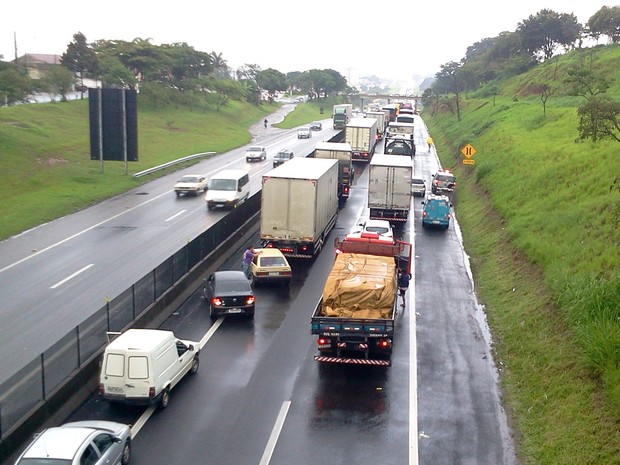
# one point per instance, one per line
(172, 163)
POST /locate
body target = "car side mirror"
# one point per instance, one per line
(191, 347)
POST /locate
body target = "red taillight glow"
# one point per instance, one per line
(216, 301)
(250, 300)
(304, 248)
(345, 190)
(322, 341)
(385, 343)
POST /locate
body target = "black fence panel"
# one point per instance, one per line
(179, 264)
(60, 361)
(91, 336)
(19, 395)
(121, 311)
(144, 293)
(163, 277)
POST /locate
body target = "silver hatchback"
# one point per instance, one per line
(418, 186)
(95, 442)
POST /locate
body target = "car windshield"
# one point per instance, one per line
(43, 461)
(445, 177)
(377, 229)
(417, 181)
(255, 149)
(189, 179)
(223, 185)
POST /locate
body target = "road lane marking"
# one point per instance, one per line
(135, 429)
(275, 434)
(413, 361)
(175, 215)
(60, 283)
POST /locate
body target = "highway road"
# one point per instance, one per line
(259, 397)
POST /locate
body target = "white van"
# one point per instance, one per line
(228, 189)
(141, 366)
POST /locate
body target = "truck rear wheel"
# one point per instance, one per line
(165, 398)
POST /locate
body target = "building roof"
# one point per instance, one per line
(40, 58)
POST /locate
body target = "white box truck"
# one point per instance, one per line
(382, 118)
(340, 151)
(141, 366)
(299, 206)
(361, 133)
(389, 187)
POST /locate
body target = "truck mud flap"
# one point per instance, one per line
(352, 361)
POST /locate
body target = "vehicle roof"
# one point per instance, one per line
(333, 146)
(381, 159)
(256, 147)
(140, 339)
(302, 168)
(437, 198)
(229, 174)
(59, 443)
(362, 122)
(270, 252)
(417, 179)
(230, 275)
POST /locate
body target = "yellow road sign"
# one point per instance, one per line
(469, 151)
(469, 162)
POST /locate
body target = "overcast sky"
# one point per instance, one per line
(394, 39)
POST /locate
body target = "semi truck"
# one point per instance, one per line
(299, 206)
(341, 115)
(389, 187)
(355, 317)
(382, 118)
(361, 133)
(340, 151)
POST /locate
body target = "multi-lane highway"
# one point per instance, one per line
(259, 397)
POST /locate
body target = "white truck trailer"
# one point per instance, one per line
(383, 118)
(361, 133)
(340, 151)
(389, 187)
(299, 206)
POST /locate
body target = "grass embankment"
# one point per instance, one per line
(540, 215)
(45, 165)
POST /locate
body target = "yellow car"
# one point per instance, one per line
(270, 265)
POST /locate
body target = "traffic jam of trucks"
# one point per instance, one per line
(361, 134)
(340, 151)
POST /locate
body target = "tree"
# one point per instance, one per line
(585, 81)
(448, 81)
(80, 58)
(57, 81)
(114, 74)
(543, 33)
(599, 118)
(272, 81)
(226, 90)
(605, 21)
(220, 65)
(14, 86)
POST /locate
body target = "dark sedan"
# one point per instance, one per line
(316, 126)
(227, 293)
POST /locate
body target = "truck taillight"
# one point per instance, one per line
(303, 248)
(385, 343)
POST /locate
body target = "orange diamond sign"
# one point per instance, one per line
(469, 151)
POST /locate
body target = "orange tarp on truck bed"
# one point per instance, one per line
(360, 286)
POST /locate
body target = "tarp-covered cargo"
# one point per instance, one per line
(360, 286)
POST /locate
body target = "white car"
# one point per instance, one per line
(96, 442)
(418, 186)
(191, 184)
(304, 132)
(255, 153)
(381, 227)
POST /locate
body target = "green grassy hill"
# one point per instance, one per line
(540, 215)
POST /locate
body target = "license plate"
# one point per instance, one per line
(235, 310)
(274, 273)
(115, 389)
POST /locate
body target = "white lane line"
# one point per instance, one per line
(275, 433)
(60, 283)
(135, 429)
(175, 215)
(39, 252)
(413, 361)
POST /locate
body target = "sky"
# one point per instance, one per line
(394, 40)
